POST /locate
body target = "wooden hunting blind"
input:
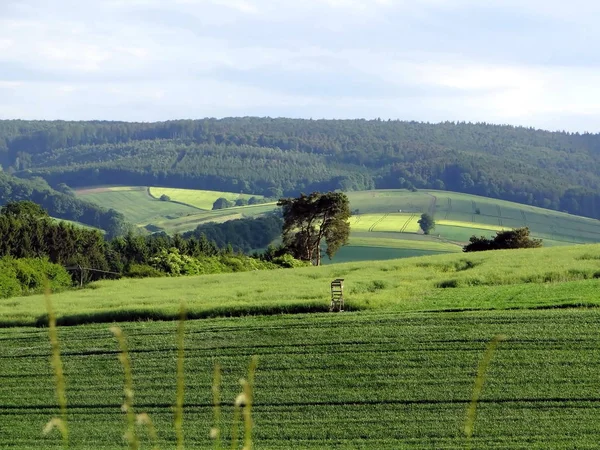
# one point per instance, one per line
(337, 295)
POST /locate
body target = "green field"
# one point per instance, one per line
(383, 214)
(185, 212)
(136, 204)
(197, 198)
(478, 281)
(394, 371)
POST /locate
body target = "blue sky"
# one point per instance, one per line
(529, 62)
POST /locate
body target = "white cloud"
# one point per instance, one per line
(508, 61)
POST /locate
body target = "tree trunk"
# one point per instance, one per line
(318, 250)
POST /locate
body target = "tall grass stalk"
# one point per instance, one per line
(180, 379)
(478, 387)
(215, 432)
(144, 419)
(239, 401)
(130, 434)
(248, 392)
(59, 377)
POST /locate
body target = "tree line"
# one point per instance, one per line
(276, 157)
(243, 235)
(29, 233)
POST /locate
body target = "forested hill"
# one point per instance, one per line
(555, 170)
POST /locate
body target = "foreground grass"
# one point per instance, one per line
(352, 380)
(547, 277)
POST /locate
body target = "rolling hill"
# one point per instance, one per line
(270, 157)
(384, 223)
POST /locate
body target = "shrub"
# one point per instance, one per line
(29, 275)
(517, 238)
(143, 271)
(288, 261)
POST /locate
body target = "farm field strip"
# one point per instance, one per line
(403, 243)
(403, 380)
(479, 226)
(197, 198)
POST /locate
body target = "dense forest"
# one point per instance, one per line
(243, 235)
(61, 204)
(275, 157)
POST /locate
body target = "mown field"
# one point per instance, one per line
(188, 208)
(394, 371)
(197, 198)
(136, 204)
(382, 214)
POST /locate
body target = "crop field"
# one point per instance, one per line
(364, 246)
(459, 216)
(404, 380)
(396, 370)
(391, 222)
(197, 198)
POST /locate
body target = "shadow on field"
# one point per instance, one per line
(149, 314)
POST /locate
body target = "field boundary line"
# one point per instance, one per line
(403, 229)
(377, 222)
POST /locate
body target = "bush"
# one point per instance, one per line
(222, 203)
(143, 271)
(165, 198)
(517, 238)
(28, 276)
(289, 262)
(9, 285)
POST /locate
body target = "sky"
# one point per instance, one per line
(521, 62)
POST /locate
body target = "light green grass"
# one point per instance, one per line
(370, 241)
(137, 206)
(142, 209)
(475, 225)
(197, 198)
(388, 222)
(508, 278)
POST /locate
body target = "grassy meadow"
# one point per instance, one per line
(558, 276)
(196, 197)
(395, 370)
(380, 216)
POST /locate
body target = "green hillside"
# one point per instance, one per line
(384, 223)
(396, 370)
(271, 157)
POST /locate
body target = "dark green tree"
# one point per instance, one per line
(517, 238)
(426, 223)
(310, 219)
(24, 210)
(221, 203)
